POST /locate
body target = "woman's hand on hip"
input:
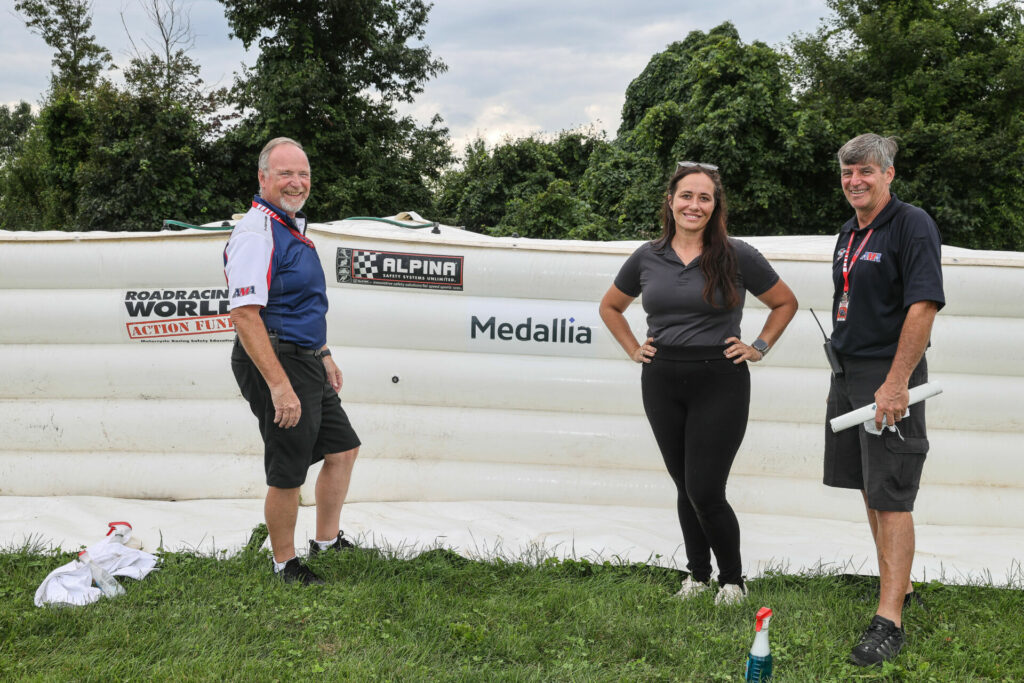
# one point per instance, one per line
(645, 352)
(738, 352)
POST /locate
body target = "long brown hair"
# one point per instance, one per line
(718, 258)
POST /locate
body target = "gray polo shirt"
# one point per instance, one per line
(673, 294)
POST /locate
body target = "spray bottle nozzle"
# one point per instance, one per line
(112, 526)
(762, 617)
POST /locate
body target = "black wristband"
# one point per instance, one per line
(324, 353)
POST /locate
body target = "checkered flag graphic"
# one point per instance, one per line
(364, 265)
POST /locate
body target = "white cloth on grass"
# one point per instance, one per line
(71, 584)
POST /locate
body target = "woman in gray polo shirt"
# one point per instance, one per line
(695, 381)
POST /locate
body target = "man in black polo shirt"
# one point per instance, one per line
(888, 287)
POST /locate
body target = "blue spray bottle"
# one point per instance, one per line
(759, 661)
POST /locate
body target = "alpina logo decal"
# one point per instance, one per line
(399, 269)
(872, 256)
(558, 331)
(243, 291)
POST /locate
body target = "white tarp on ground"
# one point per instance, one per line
(951, 554)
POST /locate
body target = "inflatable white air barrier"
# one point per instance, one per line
(476, 368)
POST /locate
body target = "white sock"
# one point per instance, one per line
(324, 545)
(279, 566)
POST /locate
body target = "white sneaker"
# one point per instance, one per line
(691, 588)
(731, 594)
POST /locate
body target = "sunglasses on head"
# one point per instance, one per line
(695, 164)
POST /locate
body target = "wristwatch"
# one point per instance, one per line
(761, 346)
(324, 353)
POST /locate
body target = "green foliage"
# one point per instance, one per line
(65, 126)
(489, 180)
(556, 212)
(507, 190)
(29, 199)
(327, 75)
(707, 98)
(438, 616)
(22, 147)
(574, 149)
(145, 160)
(173, 80)
(15, 122)
(944, 76)
(711, 98)
(947, 78)
(110, 160)
(64, 25)
(660, 81)
(625, 187)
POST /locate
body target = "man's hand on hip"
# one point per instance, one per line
(287, 408)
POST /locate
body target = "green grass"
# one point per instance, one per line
(438, 616)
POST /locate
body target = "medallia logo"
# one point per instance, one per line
(555, 331)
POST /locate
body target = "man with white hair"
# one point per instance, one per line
(280, 359)
(888, 287)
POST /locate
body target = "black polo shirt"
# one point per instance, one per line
(899, 266)
(677, 314)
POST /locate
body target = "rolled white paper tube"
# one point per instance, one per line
(865, 413)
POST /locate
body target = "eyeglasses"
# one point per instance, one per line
(695, 164)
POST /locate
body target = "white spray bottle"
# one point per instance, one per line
(759, 661)
(119, 532)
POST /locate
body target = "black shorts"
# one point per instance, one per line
(886, 467)
(323, 426)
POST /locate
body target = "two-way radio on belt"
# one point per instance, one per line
(830, 353)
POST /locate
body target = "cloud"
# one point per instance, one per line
(538, 66)
(27, 59)
(514, 68)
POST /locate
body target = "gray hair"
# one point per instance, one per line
(264, 161)
(869, 148)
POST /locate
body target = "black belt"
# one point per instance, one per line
(289, 349)
(295, 350)
(286, 348)
(692, 353)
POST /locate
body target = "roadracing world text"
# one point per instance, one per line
(184, 313)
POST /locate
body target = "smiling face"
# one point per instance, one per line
(866, 187)
(692, 203)
(285, 183)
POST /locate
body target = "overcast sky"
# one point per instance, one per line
(514, 68)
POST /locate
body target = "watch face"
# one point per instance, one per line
(761, 346)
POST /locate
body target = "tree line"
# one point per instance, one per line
(944, 76)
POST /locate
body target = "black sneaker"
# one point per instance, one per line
(881, 642)
(341, 543)
(294, 571)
